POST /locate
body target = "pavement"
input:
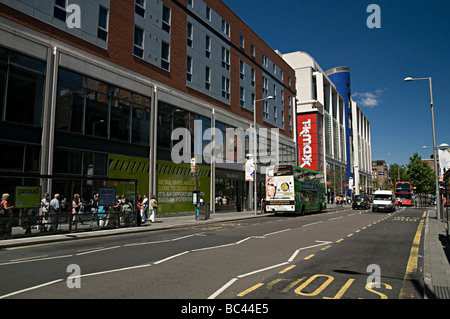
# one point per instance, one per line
(436, 272)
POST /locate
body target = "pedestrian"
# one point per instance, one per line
(43, 213)
(127, 210)
(153, 207)
(76, 204)
(144, 206)
(5, 216)
(94, 211)
(54, 210)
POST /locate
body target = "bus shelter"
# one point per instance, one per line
(44, 204)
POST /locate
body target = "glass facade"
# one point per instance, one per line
(21, 88)
(91, 107)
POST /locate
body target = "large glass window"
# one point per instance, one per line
(170, 118)
(21, 87)
(120, 115)
(19, 157)
(74, 162)
(92, 107)
(96, 118)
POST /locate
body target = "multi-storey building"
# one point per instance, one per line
(362, 151)
(97, 87)
(341, 130)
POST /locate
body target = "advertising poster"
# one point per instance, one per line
(307, 141)
(28, 197)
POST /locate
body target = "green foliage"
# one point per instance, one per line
(417, 172)
(420, 175)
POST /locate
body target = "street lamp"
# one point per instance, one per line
(409, 79)
(270, 97)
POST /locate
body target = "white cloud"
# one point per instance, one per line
(369, 99)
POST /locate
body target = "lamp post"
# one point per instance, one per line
(255, 157)
(409, 79)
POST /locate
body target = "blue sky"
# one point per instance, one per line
(414, 40)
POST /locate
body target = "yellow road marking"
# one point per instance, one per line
(309, 257)
(250, 289)
(326, 247)
(338, 241)
(28, 258)
(286, 269)
(407, 292)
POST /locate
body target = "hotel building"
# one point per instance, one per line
(95, 88)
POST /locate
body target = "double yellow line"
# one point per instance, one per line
(407, 291)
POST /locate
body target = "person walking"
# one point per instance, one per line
(127, 210)
(76, 204)
(144, 206)
(45, 206)
(5, 216)
(54, 209)
(153, 207)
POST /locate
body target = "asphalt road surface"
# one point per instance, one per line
(345, 254)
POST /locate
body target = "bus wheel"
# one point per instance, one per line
(303, 211)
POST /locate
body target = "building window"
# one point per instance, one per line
(252, 50)
(226, 59)
(208, 46)
(22, 80)
(225, 88)
(59, 10)
(225, 27)
(102, 30)
(275, 114)
(207, 78)
(166, 19)
(165, 56)
(252, 77)
(139, 7)
(138, 48)
(253, 101)
(208, 13)
(265, 61)
(191, 3)
(189, 34)
(241, 40)
(265, 109)
(265, 85)
(189, 69)
(241, 69)
(242, 96)
(91, 107)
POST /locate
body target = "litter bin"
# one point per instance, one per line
(204, 211)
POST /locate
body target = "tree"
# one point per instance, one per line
(398, 173)
(420, 174)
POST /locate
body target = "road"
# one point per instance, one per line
(344, 254)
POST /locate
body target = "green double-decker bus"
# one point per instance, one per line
(293, 189)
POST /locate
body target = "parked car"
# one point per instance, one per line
(361, 201)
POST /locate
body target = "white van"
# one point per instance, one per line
(383, 200)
